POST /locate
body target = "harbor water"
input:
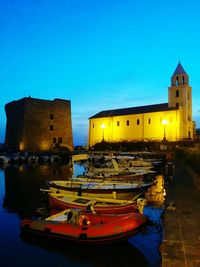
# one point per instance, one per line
(20, 197)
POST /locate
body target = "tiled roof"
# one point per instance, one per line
(133, 110)
(179, 70)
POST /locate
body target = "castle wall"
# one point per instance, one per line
(43, 125)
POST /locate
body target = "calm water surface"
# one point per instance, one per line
(20, 196)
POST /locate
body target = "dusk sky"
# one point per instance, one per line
(100, 54)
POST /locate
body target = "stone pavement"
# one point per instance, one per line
(181, 246)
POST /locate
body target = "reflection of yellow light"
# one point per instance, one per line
(103, 126)
(164, 194)
(21, 168)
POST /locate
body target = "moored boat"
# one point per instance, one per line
(104, 189)
(83, 227)
(120, 177)
(99, 205)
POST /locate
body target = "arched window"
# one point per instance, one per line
(138, 121)
(176, 80)
(177, 105)
(127, 122)
(149, 121)
(183, 79)
(117, 123)
(177, 93)
(93, 125)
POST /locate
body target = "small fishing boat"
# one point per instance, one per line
(120, 177)
(83, 227)
(99, 205)
(104, 189)
(137, 167)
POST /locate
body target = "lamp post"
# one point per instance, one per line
(103, 126)
(164, 122)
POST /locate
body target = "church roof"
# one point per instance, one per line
(179, 70)
(133, 110)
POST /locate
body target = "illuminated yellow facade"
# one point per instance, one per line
(170, 121)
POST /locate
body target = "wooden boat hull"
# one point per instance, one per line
(102, 229)
(99, 205)
(116, 191)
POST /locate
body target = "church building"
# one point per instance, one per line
(170, 121)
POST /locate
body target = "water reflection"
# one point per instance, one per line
(23, 196)
(118, 255)
(23, 183)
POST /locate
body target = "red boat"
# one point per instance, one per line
(84, 227)
(100, 205)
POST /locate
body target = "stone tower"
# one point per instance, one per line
(180, 96)
(38, 125)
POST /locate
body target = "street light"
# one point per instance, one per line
(103, 126)
(164, 122)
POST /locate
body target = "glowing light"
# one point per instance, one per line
(164, 122)
(21, 146)
(103, 126)
(44, 145)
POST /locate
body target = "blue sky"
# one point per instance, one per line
(100, 54)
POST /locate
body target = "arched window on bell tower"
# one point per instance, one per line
(177, 80)
(179, 76)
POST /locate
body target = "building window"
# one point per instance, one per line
(54, 140)
(176, 80)
(138, 122)
(149, 121)
(189, 118)
(177, 105)
(59, 140)
(93, 125)
(183, 79)
(177, 93)
(117, 123)
(127, 122)
(51, 117)
(51, 127)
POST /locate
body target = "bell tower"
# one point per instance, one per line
(180, 96)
